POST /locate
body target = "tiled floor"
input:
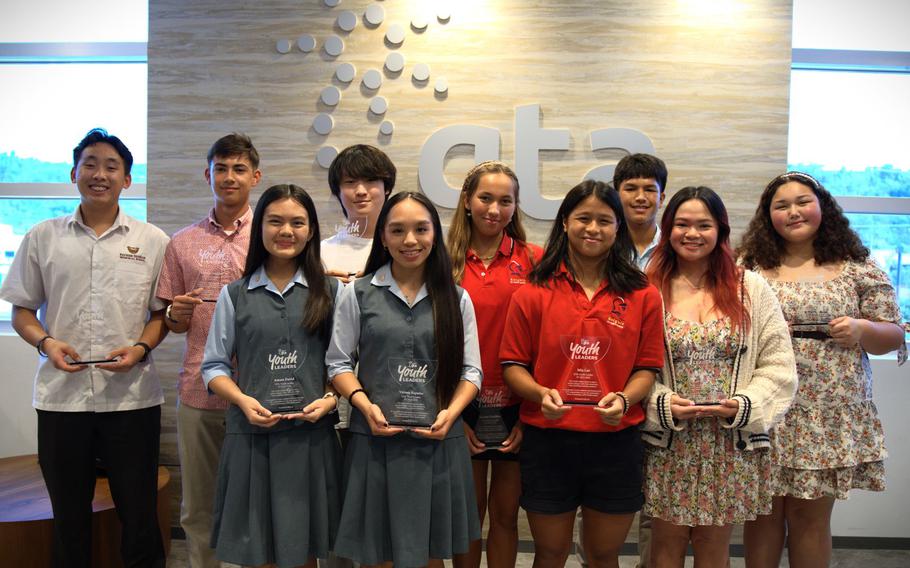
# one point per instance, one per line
(843, 558)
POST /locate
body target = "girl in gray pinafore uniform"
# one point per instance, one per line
(408, 489)
(277, 499)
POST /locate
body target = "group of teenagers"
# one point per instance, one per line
(731, 387)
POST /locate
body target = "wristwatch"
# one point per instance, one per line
(167, 314)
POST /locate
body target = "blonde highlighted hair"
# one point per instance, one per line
(459, 238)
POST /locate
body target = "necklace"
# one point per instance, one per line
(491, 257)
(693, 286)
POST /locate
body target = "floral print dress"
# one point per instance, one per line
(831, 440)
(701, 478)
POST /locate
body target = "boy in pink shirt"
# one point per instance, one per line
(199, 261)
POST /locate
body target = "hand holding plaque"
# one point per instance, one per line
(409, 399)
(284, 392)
(583, 386)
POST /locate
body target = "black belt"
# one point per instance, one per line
(820, 335)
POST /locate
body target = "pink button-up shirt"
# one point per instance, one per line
(202, 255)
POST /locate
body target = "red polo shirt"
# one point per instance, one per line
(570, 343)
(491, 288)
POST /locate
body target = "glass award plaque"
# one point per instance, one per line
(491, 427)
(583, 387)
(355, 226)
(283, 392)
(214, 274)
(410, 398)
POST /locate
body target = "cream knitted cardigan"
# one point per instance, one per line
(764, 376)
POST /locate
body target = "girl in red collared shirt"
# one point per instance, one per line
(490, 259)
(582, 346)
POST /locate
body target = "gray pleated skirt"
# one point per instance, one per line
(407, 500)
(278, 497)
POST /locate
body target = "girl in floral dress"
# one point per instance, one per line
(840, 307)
(729, 376)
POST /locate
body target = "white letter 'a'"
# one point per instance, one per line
(628, 139)
(530, 138)
(431, 170)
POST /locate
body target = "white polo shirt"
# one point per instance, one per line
(95, 293)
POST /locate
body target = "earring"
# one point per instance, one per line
(468, 212)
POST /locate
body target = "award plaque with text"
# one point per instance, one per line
(583, 386)
(214, 273)
(283, 392)
(410, 398)
(491, 427)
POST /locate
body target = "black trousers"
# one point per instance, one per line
(127, 443)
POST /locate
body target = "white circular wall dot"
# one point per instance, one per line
(372, 79)
(330, 96)
(374, 15)
(419, 24)
(306, 43)
(331, 3)
(421, 72)
(347, 20)
(386, 128)
(323, 124)
(345, 72)
(379, 105)
(395, 34)
(283, 45)
(443, 15)
(325, 155)
(333, 46)
(394, 62)
(442, 86)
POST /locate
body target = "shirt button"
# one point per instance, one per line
(408, 318)
(741, 445)
(483, 273)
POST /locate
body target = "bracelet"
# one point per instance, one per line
(329, 394)
(625, 402)
(40, 344)
(351, 396)
(147, 349)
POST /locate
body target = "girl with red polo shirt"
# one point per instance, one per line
(490, 259)
(582, 346)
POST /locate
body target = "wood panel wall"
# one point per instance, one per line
(706, 81)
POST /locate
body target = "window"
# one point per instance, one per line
(53, 56)
(849, 118)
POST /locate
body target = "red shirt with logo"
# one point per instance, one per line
(583, 348)
(491, 288)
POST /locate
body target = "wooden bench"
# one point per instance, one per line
(26, 519)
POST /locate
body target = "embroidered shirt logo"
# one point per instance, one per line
(132, 253)
(617, 312)
(516, 273)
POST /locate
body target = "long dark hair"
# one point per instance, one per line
(318, 310)
(620, 274)
(447, 322)
(723, 277)
(835, 241)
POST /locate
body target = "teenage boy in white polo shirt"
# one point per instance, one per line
(199, 260)
(92, 276)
